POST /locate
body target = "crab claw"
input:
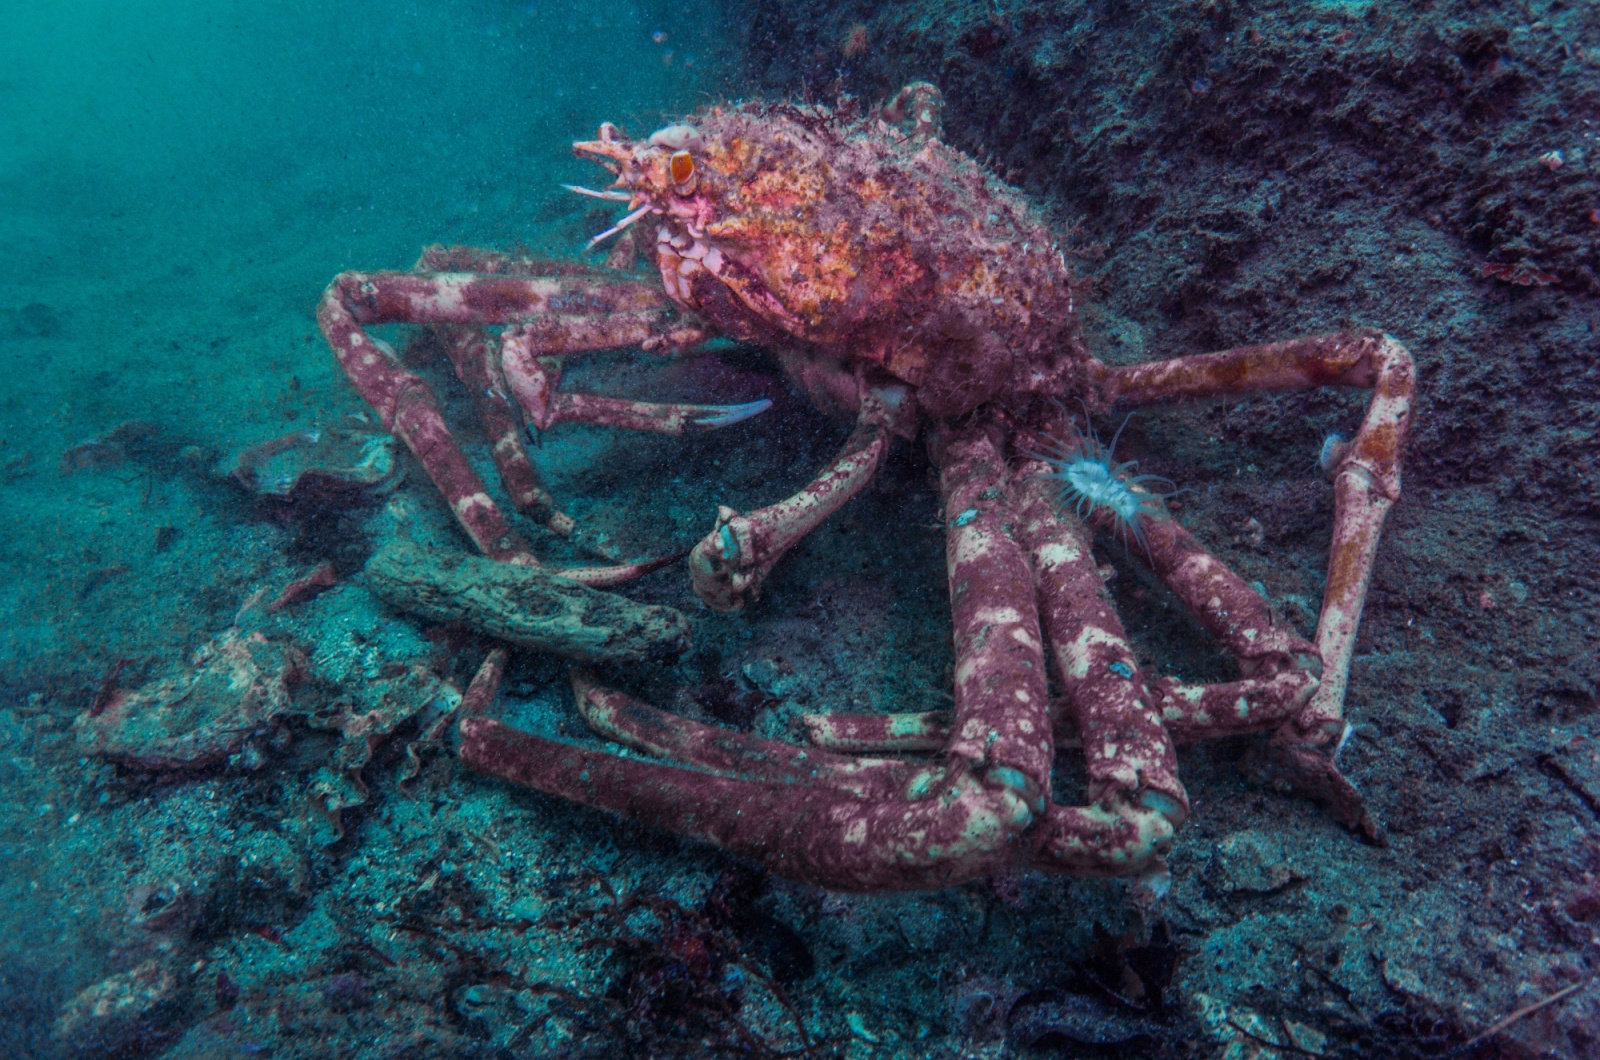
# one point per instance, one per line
(730, 563)
(710, 417)
(726, 567)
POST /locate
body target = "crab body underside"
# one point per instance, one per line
(900, 282)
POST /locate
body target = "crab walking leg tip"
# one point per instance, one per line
(725, 415)
(1164, 804)
(1018, 783)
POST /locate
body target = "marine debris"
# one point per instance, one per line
(528, 606)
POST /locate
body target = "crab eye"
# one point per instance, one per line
(681, 166)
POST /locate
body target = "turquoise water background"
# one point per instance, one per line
(179, 180)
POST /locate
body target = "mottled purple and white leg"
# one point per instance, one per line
(472, 353)
(920, 826)
(730, 563)
(1366, 484)
(616, 314)
(532, 371)
(1129, 752)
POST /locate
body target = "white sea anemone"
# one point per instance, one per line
(1335, 447)
(1090, 479)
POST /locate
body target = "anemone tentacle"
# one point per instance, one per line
(1091, 479)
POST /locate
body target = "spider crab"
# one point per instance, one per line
(899, 282)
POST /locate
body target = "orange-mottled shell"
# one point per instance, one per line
(867, 243)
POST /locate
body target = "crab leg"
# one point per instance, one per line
(999, 651)
(1137, 803)
(1189, 713)
(532, 373)
(408, 409)
(468, 350)
(1233, 708)
(1366, 484)
(1127, 748)
(723, 751)
(485, 685)
(624, 314)
(1229, 609)
(730, 563)
(906, 731)
(479, 369)
(955, 828)
(403, 401)
(485, 299)
(946, 823)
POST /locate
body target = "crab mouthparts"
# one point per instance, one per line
(620, 225)
(611, 151)
(610, 195)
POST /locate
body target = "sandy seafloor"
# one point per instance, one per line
(178, 182)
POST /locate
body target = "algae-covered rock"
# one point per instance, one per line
(232, 688)
(525, 605)
(121, 1015)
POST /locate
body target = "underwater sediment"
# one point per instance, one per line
(293, 863)
(1248, 171)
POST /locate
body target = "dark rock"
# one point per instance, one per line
(122, 1015)
(319, 465)
(1061, 1016)
(37, 320)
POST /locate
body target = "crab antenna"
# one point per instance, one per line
(1089, 442)
(609, 196)
(620, 225)
(1118, 436)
